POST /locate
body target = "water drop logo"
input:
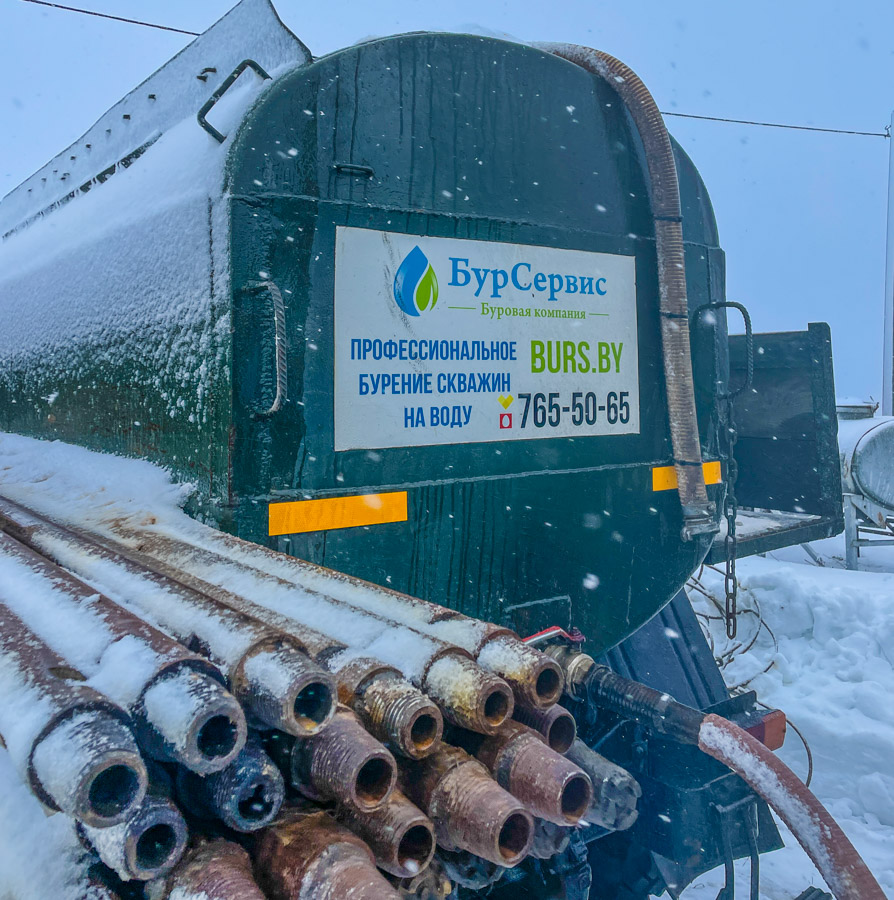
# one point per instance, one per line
(415, 284)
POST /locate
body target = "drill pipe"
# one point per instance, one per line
(468, 695)
(146, 845)
(552, 787)
(343, 763)
(206, 738)
(615, 790)
(269, 673)
(469, 810)
(556, 724)
(390, 708)
(400, 835)
(70, 744)
(246, 796)
(217, 870)
(309, 856)
(534, 676)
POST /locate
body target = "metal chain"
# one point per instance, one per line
(730, 508)
(730, 504)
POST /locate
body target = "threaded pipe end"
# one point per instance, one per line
(400, 714)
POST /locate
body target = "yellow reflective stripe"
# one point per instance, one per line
(664, 478)
(336, 512)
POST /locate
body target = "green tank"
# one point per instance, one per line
(394, 311)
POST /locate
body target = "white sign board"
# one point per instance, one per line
(448, 341)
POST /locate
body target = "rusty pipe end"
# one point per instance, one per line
(286, 690)
(190, 718)
(551, 786)
(344, 763)
(217, 870)
(90, 767)
(470, 811)
(145, 846)
(246, 796)
(556, 724)
(311, 856)
(537, 679)
(401, 715)
(400, 835)
(468, 695)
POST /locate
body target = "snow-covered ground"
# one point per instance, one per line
(823, 655)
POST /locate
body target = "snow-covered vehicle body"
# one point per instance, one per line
(399, 311)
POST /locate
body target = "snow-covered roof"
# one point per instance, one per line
(252, 29)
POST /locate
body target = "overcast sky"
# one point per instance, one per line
(801, 215)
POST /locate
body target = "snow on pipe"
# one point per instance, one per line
(270, 675)
(146, 845)
(400, 835)
(470, 811)
(468, 695)
(216, 870)
(556, 724)
(343, 763)
(552, 787)
(308, 854)
(71, 745)
(615, 790)
(536, 679)
(391, 708)
(140, 668)
(246, 796)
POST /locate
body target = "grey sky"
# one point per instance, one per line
(801, 215)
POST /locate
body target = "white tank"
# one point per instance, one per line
(866, 447)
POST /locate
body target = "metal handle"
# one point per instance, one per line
(749, 342)
(225, 86)
(279, 323)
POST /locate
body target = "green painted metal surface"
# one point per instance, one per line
(477, 139)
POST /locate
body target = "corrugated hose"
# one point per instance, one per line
(664, 192)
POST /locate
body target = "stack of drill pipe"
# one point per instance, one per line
(551, 786)
(482, 806)
(268, 672)
(309, 855)
(468, 695)
(180, 708)
(535, 677)
(69, 743)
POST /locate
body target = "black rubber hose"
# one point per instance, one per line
(664, 192)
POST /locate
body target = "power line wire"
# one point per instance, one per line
(99, 15)
(679, 115)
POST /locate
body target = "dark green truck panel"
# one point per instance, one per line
(469, 138)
